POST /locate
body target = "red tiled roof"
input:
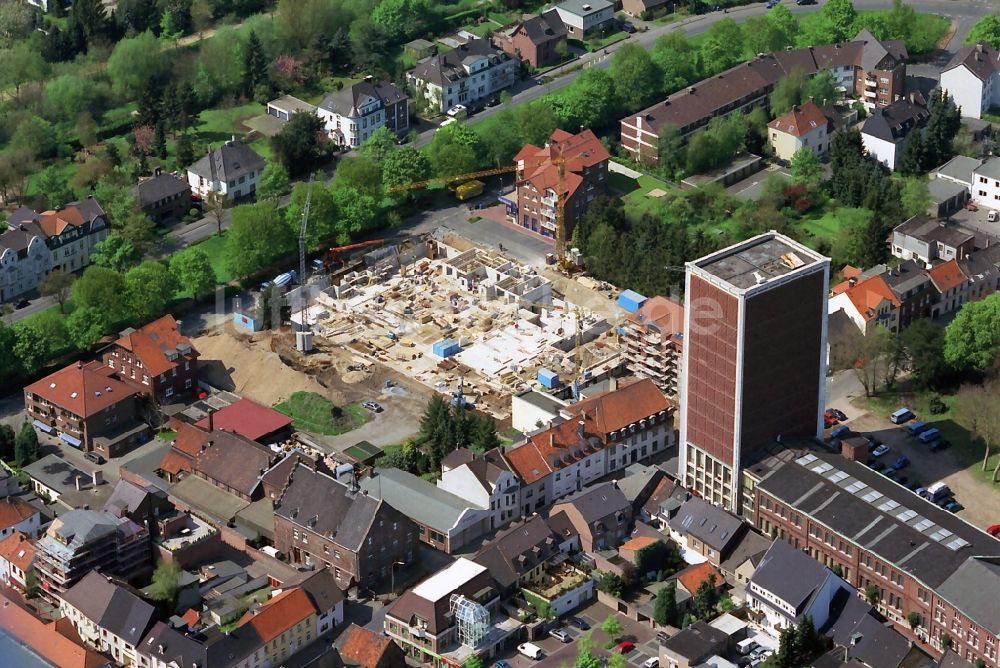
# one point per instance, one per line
(868, 294)
(247, 418)
(638, 543)
(82, 389)
(691, 577)
(579, 152)
(54, 223)
(191, 618)
(666, 314)
(279, 614)
(18, 550)
(362, 647)
(14, 510)
(151, 342)
(947, 276)
(800, 120)
(44, 639)
(188, 441)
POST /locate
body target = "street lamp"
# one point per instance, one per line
(392, 574)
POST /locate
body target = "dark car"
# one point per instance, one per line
(628, 27)
(837, 413)
(21, 303)
(941, 444)
(889, 473)
(914, 485)
(805, 2)
(493, 101)
(663, 636)
(902, 480)
(94, 457)
(502, 664)
(901, 463)
(878, 466)
(953, 506)
(579, 623)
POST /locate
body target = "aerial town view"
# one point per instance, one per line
(499, 333)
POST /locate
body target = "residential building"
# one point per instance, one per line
(538, 41)
(946, 197)
(485, 481)
(353, 113)
(692, 646)
(165, 647)
(444, 521)
(365, 648)
(234, 464)
(591, 439)
(143, 505)
(518, 556)
(958, 170)
(285, 624)
(951, 285)
(971, 79)
(782, 601)
(17, 553)
(986, 184)
(18, 516)
(983, 270)
(450, 617)
(320, 522)
(754, 358)
(584, 18)
(654, 342)
(531, 410)
(70, 232)
(921, 558)
(164, 197)
(25, 259)
(230, 172)
(570, 170)
(49, 642)
(691, 578)
(745, 556)
(108, 617)
(178, 461)
(869, 302)
(81, 541)
(88, 408)
(861, 637)
(926, 241)
(885, 131)
(913, 287)
(875, 71)
(250, 420)
(600, 514)
(64, 483)
(804, 126)
(646, 9)
(706, 529)
(327, 599)
(156, 358)
(468, 74)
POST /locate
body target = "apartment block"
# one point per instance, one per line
(352, 114)
(157, 359)
(469, 74)
(654, 342)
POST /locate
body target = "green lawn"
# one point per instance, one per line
(637, 202)
(65, 167)
(215, 247)
(829, 225)
(315, 413)
(217, 125)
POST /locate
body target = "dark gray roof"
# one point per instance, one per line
(347, 101)
(696, 641)
(780, 560)
(111, 607)
(545, 27)
(709, 524)
(960, 168)
(942, 190)
(597, 501)
(951, 659)
(328, 507)
(874, 51)
(232, 160)
(519, 549)
(584, 7)
(933, 231)
(234, 460)
(894, 122)
(447, 66)
(160, 187)
(322, 589)
(229, 649)
(990, 168)
(640, 482)
(906, 276)
(166, 645)
(561, 526)
(19, 238)
(981, 59)
(974, 588)
(854, 626)
(752, 546)
(875, 513)
(129, 498)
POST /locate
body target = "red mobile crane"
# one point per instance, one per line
(333, 255)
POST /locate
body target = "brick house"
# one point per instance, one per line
(535, 40)
(157, 359)
(17, 552)
(601, 515)
(320, 522)
(87, 407)
(365, 648)
(540, 187)
(163, 197)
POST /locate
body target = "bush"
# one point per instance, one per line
(935, 406)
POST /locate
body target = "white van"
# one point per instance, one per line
(530, 650)
(746, 646)
(901, 416)
(446, 122)
(459, 111)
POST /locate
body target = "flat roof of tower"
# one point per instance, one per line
(758, 260)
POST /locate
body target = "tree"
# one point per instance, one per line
(705, 598)
(101, 289)
(32, 346)
(788, 92)
(115, 252)
(635, 76)
(26, 449)
(164, 585)
(452, 151)
(617, 660)
(68, 94)
(806, 168)
(184, 152)
(842, 17)
(585, 653)
(379, 144)
(873, 595)
(610, 583)
(192, 269)
(140, 230)
(254, 65)
(361, 173)
(971, 339)
(785, 23)
(17, 20)
(913, 619)
(878, 360)
(53, 185)
(977, 407)
(923, 342)
(612, 626)
(160, 141)
(665, 607)
(10, 366)
(7, 441)
(85, 325)
(986, 29)
(255, 239)
(722, 46)
(356, 212)
(406, 165)
(135, 62)
(274, 182)
(21, 64)
(302, 144)
(57, 285)
(914, 196)
(37, 136)
(676, 60)
(942, 126)
(945, 641)
(149, 287)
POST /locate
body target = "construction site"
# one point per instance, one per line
(456, 318)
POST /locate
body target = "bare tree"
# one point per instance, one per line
(877, 360)
(215, 208)
(57, 285)
(979, 407)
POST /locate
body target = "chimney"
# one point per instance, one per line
(97, 477)
(77, 481)
(158, 171)
(851, 282)
(211, 421)
(979, 47)
(579, 428)
(552, 439)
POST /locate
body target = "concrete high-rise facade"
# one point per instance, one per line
(754, 358)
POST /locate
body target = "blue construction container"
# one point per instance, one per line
(630, 300)
(446, 348)
(548, 378)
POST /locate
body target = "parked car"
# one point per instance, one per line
(458, 111)
(829, 421)
(971, 206)
(773, 3)
(842, 431)
(579, 623)
(530, 650)
(628, 27)
(94, 457)
(625, 646)
(502, 664)
(901, 462)
(953, 506)
(880, 450)
(917, 428)
(663, 636)
(561, 635)
(902, 480)
(914, 485)
(22, 303)
(805, 2)
(940, 444)
(837, 413)
(373, 406)
(993, 530)
(877, 466)
(901, 416)
(651, 662)
(889, 472)
(993, 216)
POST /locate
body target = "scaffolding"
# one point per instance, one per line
(472, 620)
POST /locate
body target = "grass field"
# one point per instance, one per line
(314, 413)
(829, 225)
(215, 247)
(633, 191)
(216, 125)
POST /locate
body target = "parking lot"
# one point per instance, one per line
(559, 654)
(979, 500)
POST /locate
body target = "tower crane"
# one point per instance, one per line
(302, 230)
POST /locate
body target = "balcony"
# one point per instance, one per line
(870, 93)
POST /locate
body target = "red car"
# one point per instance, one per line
(625, 646)
(829, 419)
(993, 530)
